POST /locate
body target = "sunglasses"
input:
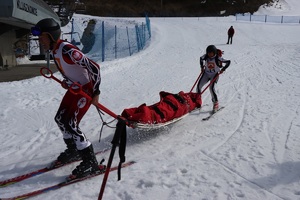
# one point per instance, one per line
(36, 31)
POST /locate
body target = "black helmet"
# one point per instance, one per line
(47, 25)
(211, 48)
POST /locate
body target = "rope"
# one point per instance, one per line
(103, 123)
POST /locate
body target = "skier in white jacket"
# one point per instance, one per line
(211, 66)
(75, 67)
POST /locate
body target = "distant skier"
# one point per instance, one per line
(75, 67)
(230, 34)
(211, 65)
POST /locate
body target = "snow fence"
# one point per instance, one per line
(109, 39)
(268, 18)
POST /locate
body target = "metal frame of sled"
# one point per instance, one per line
(158, 125)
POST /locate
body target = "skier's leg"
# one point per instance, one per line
(72, 109)
(76, 111)
(214, 96)
(203, 80)
(70, 154)
(69, 115)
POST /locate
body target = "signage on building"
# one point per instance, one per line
(26, 7)
(29, 12)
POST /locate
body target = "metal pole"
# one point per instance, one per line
(48, 59)
(72, 30)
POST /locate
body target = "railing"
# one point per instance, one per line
(268, 18)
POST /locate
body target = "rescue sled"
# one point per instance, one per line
(171, 108)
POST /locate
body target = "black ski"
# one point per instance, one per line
(53, 166)
(212, 114)
(63, 184)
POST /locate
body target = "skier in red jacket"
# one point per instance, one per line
(230, 33)
(75, 67)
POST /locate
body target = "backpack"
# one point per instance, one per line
(219, 52)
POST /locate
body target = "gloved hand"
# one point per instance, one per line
(222, 70)
(202, 69)
(64, 84)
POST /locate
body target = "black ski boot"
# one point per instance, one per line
(71, 154)
(89, 164)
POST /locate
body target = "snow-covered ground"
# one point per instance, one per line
(249, 150)
(280, 7)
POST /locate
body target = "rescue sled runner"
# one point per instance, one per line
(170, 109)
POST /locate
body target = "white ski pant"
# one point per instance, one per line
(205, 78)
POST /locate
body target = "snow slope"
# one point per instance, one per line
(250, 150)
(280, 7)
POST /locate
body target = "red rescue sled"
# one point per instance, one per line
(170, 108)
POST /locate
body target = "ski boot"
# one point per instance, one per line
(71, 154)
(215, 107)
(88, 166)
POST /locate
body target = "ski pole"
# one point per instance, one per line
(211, 82)
(197, 80)
(119, 133)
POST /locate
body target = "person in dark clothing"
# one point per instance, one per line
(230, 33)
